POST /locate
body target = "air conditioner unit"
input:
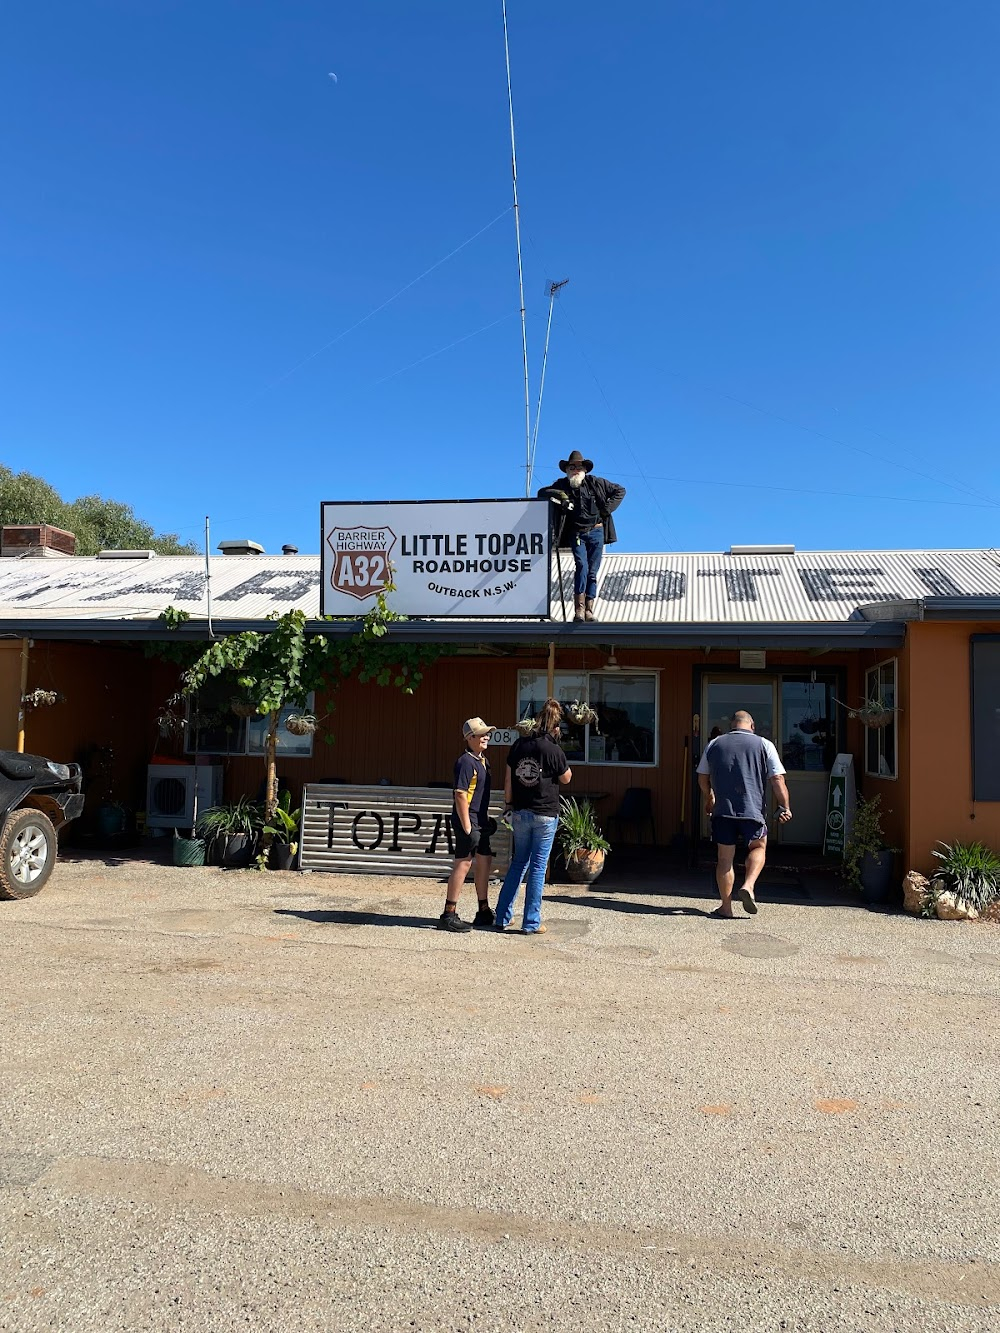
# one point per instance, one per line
(171, 791)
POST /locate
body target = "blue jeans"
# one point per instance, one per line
(588, 551)
(533, 838)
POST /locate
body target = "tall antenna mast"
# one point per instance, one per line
(554, 289)
(520, 267)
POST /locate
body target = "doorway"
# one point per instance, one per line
(797, 712)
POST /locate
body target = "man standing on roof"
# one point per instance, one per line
(733, 775)
(588, 526)
(472, 827)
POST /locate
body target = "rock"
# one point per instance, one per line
(915, 887)
(952, 908)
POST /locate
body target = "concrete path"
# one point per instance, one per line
(283, 1102)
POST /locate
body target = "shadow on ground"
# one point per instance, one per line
(342, 916)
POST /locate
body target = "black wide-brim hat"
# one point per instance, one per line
(576, 459)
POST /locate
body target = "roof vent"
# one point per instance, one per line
(289, 550)
(245, 547)
(761, 550)
(125, 555)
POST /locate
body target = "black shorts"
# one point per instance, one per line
(728, 831)
(474, 843)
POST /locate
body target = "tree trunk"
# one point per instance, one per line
(271, 797)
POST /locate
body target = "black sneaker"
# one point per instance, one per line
(453, 922)
(485, 917)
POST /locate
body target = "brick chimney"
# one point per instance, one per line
(36, 539)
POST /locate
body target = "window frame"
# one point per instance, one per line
(981, 791)
(878, 734)
(247, 752)
(652, 672)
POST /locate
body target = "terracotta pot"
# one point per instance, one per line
(584, 866)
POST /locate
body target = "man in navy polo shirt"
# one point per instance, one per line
(471, 827)
(734, 773)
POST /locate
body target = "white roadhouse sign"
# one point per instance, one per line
(469, 558)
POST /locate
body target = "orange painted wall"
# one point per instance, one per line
(10, 689)
(114, 693)
(108, 701)
(415, 739)
(939, 759)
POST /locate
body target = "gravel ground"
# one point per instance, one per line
(286, 1102)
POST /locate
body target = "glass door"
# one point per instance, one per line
(808, 746)
(722, 696)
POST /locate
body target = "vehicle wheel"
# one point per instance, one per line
(28, 849)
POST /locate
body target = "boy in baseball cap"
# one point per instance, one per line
(469, 815)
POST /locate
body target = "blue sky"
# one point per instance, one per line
(779, 222)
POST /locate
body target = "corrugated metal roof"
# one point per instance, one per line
(693, 588)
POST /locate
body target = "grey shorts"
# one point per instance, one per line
(728, 831)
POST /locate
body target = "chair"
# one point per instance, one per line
(636, 808)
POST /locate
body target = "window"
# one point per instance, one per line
(624, 701)
(215, 728)
(880, 742)
(808, 723)
(985, 717)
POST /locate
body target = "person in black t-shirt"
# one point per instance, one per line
(536, 769)
(471, 824)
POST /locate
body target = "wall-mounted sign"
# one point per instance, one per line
(753, 659)
(502, 736)
(469, 558)
(384, 830)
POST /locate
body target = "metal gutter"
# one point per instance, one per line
(840, 634)
(934, 608)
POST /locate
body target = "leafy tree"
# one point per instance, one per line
(280, 667)
(98, 524)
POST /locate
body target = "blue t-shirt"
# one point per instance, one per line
(740, 764)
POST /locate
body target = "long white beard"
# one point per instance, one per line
(576, 479)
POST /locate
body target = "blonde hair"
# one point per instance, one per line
(550, 717)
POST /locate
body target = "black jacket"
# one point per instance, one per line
(607, 496)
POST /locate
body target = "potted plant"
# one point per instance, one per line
(188, 851)
(231, 832)
(970, 871)
(284, 832)
(874, 712)
(868, 860)
(583, 845)
(301, 724)
(580, 713)
(41, 699)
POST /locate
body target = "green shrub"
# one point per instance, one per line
(866, 836)
(971, 871)
(578, 828)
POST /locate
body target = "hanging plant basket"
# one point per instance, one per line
(41, 699)
(872, 713)
(876, 718)
(242, 707)
(527, 726)
(810, 725)
(301, 724)
(580, 713)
